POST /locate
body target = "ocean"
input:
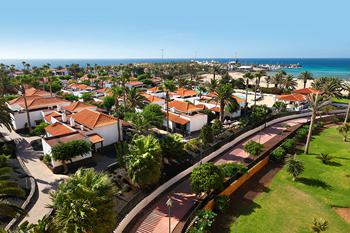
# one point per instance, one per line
(319, 67)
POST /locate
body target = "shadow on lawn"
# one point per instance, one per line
(334, 164)
(314, 182)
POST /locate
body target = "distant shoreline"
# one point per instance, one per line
(335, 67)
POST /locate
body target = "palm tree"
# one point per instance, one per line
(5, 115)
(21, 82)
(294, 167)
(47, 74)
(268, 80)
(212, 85)
(85, 203)
(316, 101)
(223, 96)
(8, 189)
(344, 129)
(319, 225)
(144, 161)
(278, 78)
(117, 92)
(247, 76)
(258, 76)
(134, 98)
(331, 87)
(306, 75)
(167, 85)
(289, 83)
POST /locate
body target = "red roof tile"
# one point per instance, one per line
(93, 119)
(292, 97)
(58, 129)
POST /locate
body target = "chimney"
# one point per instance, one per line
(58, 108)
(81, 127)
(71, 121)
(64, 117)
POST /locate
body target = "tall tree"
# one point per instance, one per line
(316, 101)
(329, 86)
(305, 76)
(22, 82)
(247, 76)
(117, 93)
(167, 86)
(5, 115)
(289, 83)
(258, 75)
(135, 99)
(85, 203)
(223, 96)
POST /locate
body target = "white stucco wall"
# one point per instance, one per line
(109, 133)
(197, 122)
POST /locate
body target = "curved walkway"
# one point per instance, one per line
(46, 180)
(157, 219)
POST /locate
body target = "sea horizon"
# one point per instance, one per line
(319, 67)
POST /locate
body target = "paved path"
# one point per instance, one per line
(157, 220)
(46, 180)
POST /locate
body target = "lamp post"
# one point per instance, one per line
(169, 204)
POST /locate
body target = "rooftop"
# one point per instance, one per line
(93, 119)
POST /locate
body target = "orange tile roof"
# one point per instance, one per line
(93, 119)
(35, 102)
(134, 83)
(292, 97)
(152, 98)
(52, 141)
(80, 86)
(185, 92)
(95, 138)
(154, 89)
(78, 106)
(103, 90)
(215, 109)
(52, 114)
(36, 92)
(58, 129)
(184, 106)
(177, 118)
(306, 91)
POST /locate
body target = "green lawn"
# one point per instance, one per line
(341, 100)
(291, 206)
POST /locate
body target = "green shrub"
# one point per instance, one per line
(39, 129)
(221, 203)
(335, 120)
(47, 158)
(231, 169)
(278, 154)
(217, 127)
(253, 148)
(8, 149)
(301, 134)
(289, 145)
(193, 145)
(206, 135)
(206, 178)
(205, 219)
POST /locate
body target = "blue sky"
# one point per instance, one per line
(183, 28)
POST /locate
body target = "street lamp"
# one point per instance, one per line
(169, 204)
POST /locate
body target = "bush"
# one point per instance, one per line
(70, 97)
(278, 154)
(271, 90)
(221, 203)
(39, 129)
(206, 177)
(232, 169)
(301, 134)
(253, 148)
(205, 219)
(289, 145)
(217, 127)
(8, 149)
(47, 158)
(325, 158)
(295, 167)
(206, 135)
(193, 145)
(87, 96)
(172, 146)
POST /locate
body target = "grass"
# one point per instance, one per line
(341, 100)
(291, 206)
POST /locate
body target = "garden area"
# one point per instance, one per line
(317, 200)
